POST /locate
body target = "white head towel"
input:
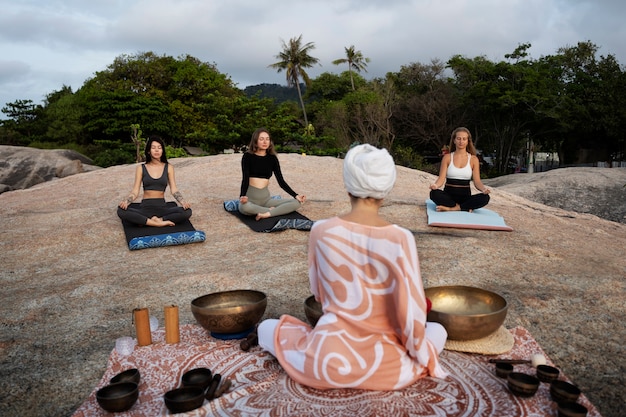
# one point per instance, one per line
(368, 172)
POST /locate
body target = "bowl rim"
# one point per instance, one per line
(125, 376)
(470, 288)
(168, 394)
(120, 394)
(195, 371)
(523, 378)
(223, 310)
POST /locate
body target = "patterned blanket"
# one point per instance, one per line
(261, 388)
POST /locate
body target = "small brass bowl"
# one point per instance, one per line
(547, 373)
(563, 391)
(129, 375)
(467, 313)
(117, 397)
(571, 409)
(181, 400)
(312, 310)
(201, 377)
(229, 312)
(522, 385)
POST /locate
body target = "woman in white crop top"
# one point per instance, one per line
(458, 168)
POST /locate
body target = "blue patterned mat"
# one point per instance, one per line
(144, 237)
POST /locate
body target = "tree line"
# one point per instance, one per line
(572, 102)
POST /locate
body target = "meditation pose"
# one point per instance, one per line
(457, 169)
(154, 175)
(365, 273)
(257, 165)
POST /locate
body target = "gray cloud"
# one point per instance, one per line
(60, 43)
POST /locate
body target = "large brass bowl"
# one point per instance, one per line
(312, 310)
(229, 312)
(467, 313)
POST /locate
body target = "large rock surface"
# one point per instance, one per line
(22, 167)
(69, 282)
(599, 191)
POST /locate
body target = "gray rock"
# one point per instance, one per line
(22, 167)
(597, 191)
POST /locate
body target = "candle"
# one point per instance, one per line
(172, 335)
(142, 326)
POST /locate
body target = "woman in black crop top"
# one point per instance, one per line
(154, 175)
(257, 166)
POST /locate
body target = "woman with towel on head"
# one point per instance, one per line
(365, 273)
(257, 166)
(457, 169)
(154, 175)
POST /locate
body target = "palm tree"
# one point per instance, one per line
(293, 59)
(356, 61)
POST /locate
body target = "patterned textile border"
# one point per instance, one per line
(261, 388)
(169, 239)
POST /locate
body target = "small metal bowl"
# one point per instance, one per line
(181, 400)
(547, 373)
(503, 369)
(129, 375)
(312, 310)
(467, 313)
(201, 377)
(563, 391)
(571, 409)
(229, 312)
(118, 397)
(522, 385)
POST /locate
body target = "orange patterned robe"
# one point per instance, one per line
(371, 335)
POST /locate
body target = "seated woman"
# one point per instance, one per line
(258, 165)
(365, 273)
(155, 175)
(457, 169)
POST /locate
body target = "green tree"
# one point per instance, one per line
(355, 60)
(25, 118)
(293, 59)
(427, 109)
(63, 115)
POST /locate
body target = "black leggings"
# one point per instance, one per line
(462, 195)
(150, 207)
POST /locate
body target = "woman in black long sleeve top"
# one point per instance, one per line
(257, 166)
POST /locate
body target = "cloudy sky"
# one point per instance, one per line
(45, 44)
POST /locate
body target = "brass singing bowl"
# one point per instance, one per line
(312, 310)
(229, 311)
(467, 313)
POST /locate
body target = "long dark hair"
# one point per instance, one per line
(470, 143)
(253, 146)
(149, 144)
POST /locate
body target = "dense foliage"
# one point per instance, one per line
(572, 102)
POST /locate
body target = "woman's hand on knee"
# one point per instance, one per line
(243, 199)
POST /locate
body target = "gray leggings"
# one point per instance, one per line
(260, 201)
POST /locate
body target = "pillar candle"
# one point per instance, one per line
(142, 326)
(172, 334)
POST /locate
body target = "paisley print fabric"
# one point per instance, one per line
(261, 388)
(372, 333)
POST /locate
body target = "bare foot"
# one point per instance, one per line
(265, 215)
(446, 208)
(159, 222)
